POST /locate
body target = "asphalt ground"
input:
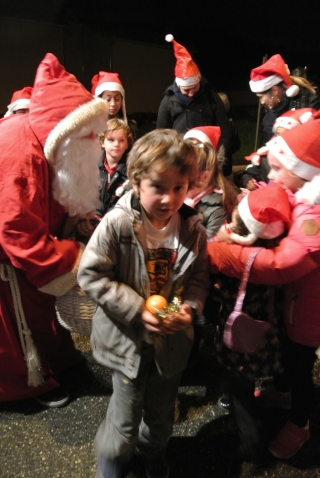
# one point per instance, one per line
(58, 443)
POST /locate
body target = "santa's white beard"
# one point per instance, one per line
(76, 182)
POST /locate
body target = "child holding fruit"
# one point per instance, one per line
(151, 243)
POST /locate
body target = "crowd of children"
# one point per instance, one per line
(169, 223)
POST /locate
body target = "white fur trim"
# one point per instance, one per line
(74, 121)
(284, 122)
(306, 117)
(310, 192)
(190, 81)
(21, 104)
(197, 134)
(279, 148)
(265, 84)
(169, 37)
(109, 86)
(243, 240)
(292, 91)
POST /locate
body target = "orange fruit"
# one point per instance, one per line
(155, 303)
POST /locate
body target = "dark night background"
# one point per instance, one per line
(227, 38)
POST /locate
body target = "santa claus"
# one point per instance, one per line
(48, 178)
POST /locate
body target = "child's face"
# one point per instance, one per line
(162, 194)
(114, 101)
(281, 175)
(115, 144)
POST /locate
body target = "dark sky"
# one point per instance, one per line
(227, 37)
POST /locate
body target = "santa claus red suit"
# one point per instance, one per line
(48, 158)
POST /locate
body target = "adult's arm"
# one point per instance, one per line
(164, 114)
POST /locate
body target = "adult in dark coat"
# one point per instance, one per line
(191, 101)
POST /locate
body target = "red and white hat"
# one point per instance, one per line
(186, 70)
(266, 213)
(292, 118)
(271, 73)
(20, 100)
(298, 149)
(107, 81)
(205, 134)
(60, 105)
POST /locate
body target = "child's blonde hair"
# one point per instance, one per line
(165, 149)
(208, 161)
(112, 125)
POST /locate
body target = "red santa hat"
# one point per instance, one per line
(205, 134)
(106, 81)
(60, 105)
(186, 70)
(271, 73)
(292, 118)
(255, 158)
(266, 213)
(20, 100)
(298, 149)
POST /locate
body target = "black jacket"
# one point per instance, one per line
(107, 196)
(204, 109)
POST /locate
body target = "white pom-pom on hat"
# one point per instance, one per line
(306, 117)
(169, 37)
(292, 91)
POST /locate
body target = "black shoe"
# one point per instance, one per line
(55, 398)
(225, 403)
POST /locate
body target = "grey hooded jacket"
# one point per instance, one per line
(113, 273)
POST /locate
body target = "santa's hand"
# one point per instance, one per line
(86, 226)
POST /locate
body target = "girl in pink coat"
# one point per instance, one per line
(294, 159)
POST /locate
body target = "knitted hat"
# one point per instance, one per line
(271, 73)
(60, 105)
(20, 100)
(186, 70)
(292, 118)
(205, 134)
(266, 213)
(106, 81)
(298, 149)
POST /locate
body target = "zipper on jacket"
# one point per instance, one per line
(293, 299)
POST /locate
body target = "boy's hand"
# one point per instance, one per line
(152, 323)
(171, 324)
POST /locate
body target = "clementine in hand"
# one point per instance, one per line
(155, 303)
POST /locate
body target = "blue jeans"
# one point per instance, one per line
(140, 412)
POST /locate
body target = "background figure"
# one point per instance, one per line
(108, 86)
(20, 101)
(116, 141)
(48, 161)
(191, 101)
(236, 143)
(279, 91)
(262, 219)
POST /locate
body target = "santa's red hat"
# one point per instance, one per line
(292, 118)
(60, 105)
(266, 213)
(106, 81)
(298, 149)
(20, 100)
(205, 134)
(186, 70)
(255, 158)
(271, 73)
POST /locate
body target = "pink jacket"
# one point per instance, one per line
(295, 262)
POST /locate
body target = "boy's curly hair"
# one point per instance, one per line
(112, 125)
(165, 149)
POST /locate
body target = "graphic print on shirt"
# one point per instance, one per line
(159, 265)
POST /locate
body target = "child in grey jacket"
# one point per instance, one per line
(150, 243)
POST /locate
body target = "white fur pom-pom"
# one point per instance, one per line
(292, 91)
(169, 37)
(256, 159)
(310, 192)
(306, 117)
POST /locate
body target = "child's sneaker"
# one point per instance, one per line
(269, 397)
(289, 441)
(157, 468)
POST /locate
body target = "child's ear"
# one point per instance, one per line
(136, 189)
